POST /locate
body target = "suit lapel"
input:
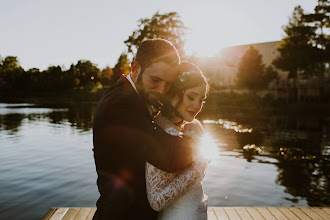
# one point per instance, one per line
(132, 96)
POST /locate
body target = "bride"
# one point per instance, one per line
(180, 195)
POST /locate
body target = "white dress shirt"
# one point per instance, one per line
(129, 78)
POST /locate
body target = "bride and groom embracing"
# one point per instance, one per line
(146, 139)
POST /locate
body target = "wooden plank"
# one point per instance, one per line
(254, 213)
(211, 214)
(321, 213)
(327, 210)
(232, 214)
(288, 213)
(91, 214)
(72, 212)
(49, 214)
(299, 213)
(214, 213)
(82, 214)
(265, 213)
(59, 213)
(311, 213)
(220, 213)
(243, 213)
(277, 213)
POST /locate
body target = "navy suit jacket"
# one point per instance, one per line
(125, 137)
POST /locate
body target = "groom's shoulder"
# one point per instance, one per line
(118, 95)
(112, 94)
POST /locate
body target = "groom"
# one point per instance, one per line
(125, 135)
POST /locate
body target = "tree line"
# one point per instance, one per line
(84, 77)
(304, 52)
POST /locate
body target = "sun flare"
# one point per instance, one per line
(208, 148)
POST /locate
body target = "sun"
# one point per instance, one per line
(215, 27)
(208, 148)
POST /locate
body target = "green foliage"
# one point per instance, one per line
(304, 51)
(83, 78)
(122, 67)
(106, 76)
(320, 19)
(86, 72)
(252, 74)
(168, 26)
(270, 74)
(11, 74)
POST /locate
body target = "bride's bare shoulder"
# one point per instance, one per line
(194, 122)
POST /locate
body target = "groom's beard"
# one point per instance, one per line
(155, 99)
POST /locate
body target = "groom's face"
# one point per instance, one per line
(156, 80)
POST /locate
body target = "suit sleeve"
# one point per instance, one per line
(125, 126)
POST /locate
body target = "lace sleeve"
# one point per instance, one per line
(163, 189)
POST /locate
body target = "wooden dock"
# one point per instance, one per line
(215, 213)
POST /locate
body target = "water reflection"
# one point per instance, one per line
(79, 115)
(279, 156)
(297, 145)
(229, 125)
(11, 122)
(305, 174)
(46, 159)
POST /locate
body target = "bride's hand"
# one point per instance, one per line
(193, 129)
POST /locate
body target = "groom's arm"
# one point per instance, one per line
(169, 153)
(138, 134)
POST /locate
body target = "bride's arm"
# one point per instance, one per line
(161, 190)
(162, 193)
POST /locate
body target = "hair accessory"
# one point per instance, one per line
(183, 75)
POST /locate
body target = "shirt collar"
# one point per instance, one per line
(129, 78)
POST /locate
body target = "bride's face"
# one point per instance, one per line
(192, 102)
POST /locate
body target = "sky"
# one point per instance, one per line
(42, 33)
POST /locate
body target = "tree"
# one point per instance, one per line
(168, 26)
(87, 72)
(252, 74)
(1, 59)
(72, 75)
(320, 20)
(31, 80)
(11, 74)
(51, 79)
(106, 76)
(270, 74)
(122, 67)
(297, 53)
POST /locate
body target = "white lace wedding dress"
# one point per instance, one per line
(178, 195)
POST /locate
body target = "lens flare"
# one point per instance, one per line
(208, 148)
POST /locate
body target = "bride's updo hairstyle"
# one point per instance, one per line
(189, 77)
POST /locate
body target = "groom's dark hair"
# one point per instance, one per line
(156, 50)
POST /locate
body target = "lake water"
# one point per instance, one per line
(46, 159)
